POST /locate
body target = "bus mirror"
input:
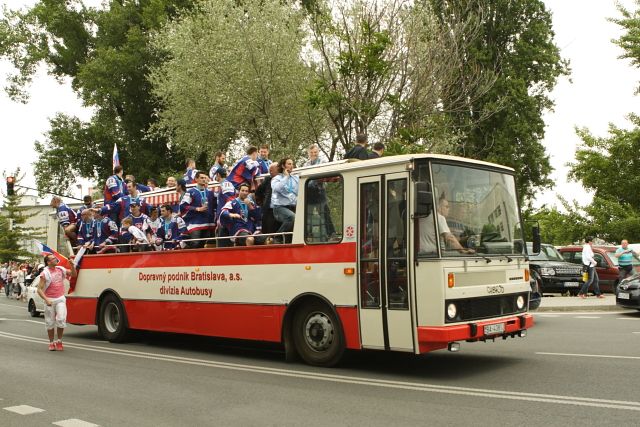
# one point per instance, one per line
(535, 230)
(423, 199)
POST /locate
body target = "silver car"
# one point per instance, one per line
(35, 304)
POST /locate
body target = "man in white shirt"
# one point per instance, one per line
(589, 262)
(428, 241)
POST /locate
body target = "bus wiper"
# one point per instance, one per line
(486, 258)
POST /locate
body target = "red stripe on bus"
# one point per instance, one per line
(242, 321)
(257, 255)
(245, 321)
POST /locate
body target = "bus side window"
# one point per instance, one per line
(396, 254)
(324, 199)
(369, 238)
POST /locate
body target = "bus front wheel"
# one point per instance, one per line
(112, 321)
(317, 334)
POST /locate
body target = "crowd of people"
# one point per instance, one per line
(15, 276)
(251, 203)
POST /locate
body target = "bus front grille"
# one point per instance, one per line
(485, 307)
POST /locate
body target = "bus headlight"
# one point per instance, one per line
(520, 302)
(452, 311)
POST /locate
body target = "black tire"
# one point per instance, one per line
(112, 320)
(33, 311)
(538, 280)
(317, 335)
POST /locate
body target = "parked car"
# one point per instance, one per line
(628, 295)
(552, 272)
(607, 264)
(35, 304)
(536, 297)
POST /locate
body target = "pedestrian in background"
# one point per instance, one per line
(359, 151)
(589, 263)
(378, 150)
(625, 259)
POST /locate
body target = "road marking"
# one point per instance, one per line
(574, 313)
(14, 306)
(23, 409)
(344, 379)
(38, 322)
(635, 332)
(587, 317)
(604, 356)
(74, 422)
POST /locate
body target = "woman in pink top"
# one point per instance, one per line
(51, 290)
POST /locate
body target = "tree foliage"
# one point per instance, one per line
(235, 73)
(608, 166)
(630, 40)
(386, 69)
(106, 55)
(170, 79)
(516, 39)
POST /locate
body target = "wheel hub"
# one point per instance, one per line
(319, 332)
(112, 317)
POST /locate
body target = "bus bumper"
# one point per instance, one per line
(438, 337)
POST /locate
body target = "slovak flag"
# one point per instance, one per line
(116, 158)
(63, 261)
(46, 250)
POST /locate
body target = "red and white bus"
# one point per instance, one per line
(365, 269)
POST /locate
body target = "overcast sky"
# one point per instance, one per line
(601, 92)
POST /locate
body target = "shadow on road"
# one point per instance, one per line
(433, 366)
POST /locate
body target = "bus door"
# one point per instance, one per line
(383, 276)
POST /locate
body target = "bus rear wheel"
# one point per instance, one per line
(112, 320)
(317, 335)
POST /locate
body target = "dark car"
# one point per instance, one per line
(628, 295)
(552, 272)
(606, 263)
(536, 296)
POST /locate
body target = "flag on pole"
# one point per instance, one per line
(116, 159)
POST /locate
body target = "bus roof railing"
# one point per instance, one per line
(115, 245)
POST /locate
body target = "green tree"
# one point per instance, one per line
(386, 69)
(106, 54)
(516, 40)
(12, 230)
(564, 227)
(235, 74)
(608, 165)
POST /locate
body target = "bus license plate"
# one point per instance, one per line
(623, 295)
(571, 284)
(496, 328)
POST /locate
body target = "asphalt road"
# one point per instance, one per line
(573, 369)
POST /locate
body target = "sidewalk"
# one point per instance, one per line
(557, 302)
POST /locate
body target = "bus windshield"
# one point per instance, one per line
(477, 212)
